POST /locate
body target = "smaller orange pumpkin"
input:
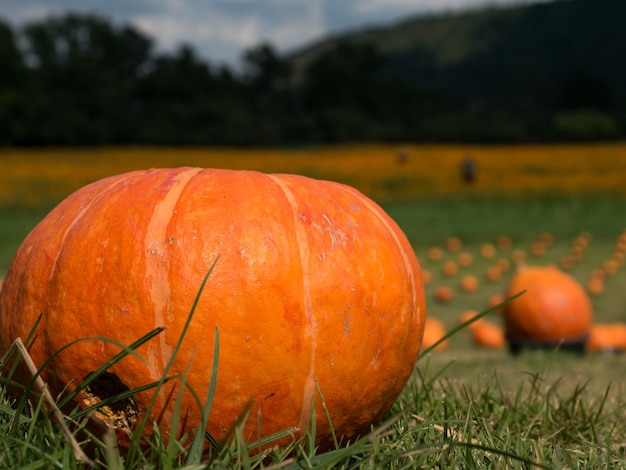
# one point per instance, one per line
(434, 253)
(444, 294)
(495, 299)
(607, 337)
(555, 309)
(518, 256)
(504, 242)
(487, 250)
(504, 264)
(453, 244)
(469, 283)
(620, 243)
(546, 238)
(610, 266)
(579, 244)
(488, 335)
(434, 330)
(450, 268)
(595, 285)
(467, 315)
(567, 262)
(493, 273)
(465, 259)
(538, 249)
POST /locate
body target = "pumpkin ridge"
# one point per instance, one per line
(157, 261)
(311, 329)
(82, 212)
(376, 210)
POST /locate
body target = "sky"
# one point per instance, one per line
(221, 30)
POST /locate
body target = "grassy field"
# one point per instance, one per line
(465, 407)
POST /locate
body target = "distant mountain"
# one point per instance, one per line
(480, 50)
(565, 58)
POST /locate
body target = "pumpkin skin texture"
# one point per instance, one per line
(313, 285)
(554, 308)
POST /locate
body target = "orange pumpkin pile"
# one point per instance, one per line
(313, 285)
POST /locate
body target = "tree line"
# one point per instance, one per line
(82, 80)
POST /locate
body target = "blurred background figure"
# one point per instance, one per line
(402, 156)
(469, 170)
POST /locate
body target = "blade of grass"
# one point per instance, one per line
(41, 385)
(195, 452)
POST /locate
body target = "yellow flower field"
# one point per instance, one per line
(36, 177)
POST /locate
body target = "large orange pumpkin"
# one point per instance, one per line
(555, 307)
(313, 285)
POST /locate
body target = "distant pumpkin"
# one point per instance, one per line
(434, 253)
(595, 285)
(554, 308)
(495, 299)
(468, 315)
(450, 268)
(607, 337)
(434, 330)
(487, 250)
(453, 244)
(465, 259)
(493, 273)
(444, 293)
(488, 335)
(504, 242)
(469, 283)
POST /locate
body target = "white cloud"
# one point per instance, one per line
(219, 33)
(219, 30)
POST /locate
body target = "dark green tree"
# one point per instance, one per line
(13, 76)
(184, 101)
(86, 70)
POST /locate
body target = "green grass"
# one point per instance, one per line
(464, 407)
(478, 219)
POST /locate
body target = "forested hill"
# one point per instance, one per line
(542, 72)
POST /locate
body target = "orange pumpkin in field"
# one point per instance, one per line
(495, 299)
(469, 283)
(488, 335)
(435, 253)
(467, 315)
(555, 307)
(313, 285)
(433, 332)
(450, 268)
(444, 293)
(607, 337)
